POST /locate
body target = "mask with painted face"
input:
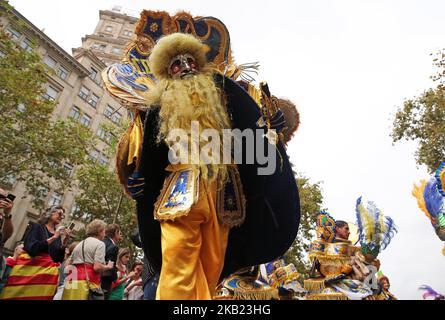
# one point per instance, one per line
(182, 66)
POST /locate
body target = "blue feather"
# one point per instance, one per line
(434, 201)
(359, 219)
(440, 187)
(390, 232)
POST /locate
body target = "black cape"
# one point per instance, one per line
(273, 205)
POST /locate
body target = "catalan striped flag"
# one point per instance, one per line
(32, 278)
(76, 284)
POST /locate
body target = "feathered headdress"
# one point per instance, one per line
(325, 227)
(430, 197)
(430, 292)
(375, 229)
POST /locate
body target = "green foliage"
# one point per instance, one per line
(101, 196)
(311, 200)
(34, 146)
(422, 119)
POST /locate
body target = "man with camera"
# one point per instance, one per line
(6, 227)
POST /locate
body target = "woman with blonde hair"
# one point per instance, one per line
(87, 264)
(118, 287)
(36, 271)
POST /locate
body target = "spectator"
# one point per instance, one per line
(10, 262)
(35, 273)
(113, 236)
(118, 287)
(64, 269)
(88, 262)
(6, 227)
(149, 276)
(134, 291)
(150, 279)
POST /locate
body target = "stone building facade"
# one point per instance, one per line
(76, 86)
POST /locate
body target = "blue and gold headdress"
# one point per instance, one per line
(430, 197)
(376, 230)
(325, 227)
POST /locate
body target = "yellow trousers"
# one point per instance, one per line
(193, 249)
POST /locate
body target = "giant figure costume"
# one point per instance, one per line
(184, 211)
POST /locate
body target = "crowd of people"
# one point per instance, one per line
(49, 265)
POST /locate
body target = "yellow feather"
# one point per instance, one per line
(368, 225)
(418, 194)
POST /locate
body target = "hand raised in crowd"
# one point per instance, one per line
(6, 204)
(110, 265)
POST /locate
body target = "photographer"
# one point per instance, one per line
(6, 227)
(36, 270)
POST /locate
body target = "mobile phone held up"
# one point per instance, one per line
(10, 196)
(71, 226)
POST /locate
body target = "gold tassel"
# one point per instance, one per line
(327, 296)
(256, 295)
(314, 285)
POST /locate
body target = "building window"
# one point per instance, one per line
(55, 200)
(108, 111)
(26, 44)
(93, 74)
(108, 137)
(51, 93)
(84, 92)
(98, 46)
(101, 133)
(85, 120)
(116, 51)
(93, 100)
(128, 33)
(94, 155)
(74, 113)
(68, 168)
(103, 161)
(50, 62)
(13, 33)
(108, 29)
(116, 117)
(62, 73)
(74, 209)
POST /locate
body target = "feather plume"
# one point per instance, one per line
(433, 199)
(440, 178)
(418, 194)
(429, 292)
(375, 229)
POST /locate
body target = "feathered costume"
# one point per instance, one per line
(375, 230)
(271, 202)
(430, 292)
(339, 268)
(430, 197)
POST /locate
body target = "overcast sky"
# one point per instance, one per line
(347, 65)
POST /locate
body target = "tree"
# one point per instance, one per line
(34, 147)
(422, 119)
(311, 200)
(100, 194)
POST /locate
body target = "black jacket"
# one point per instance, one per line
(35, 243)
(111, 252)
(273, 208)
